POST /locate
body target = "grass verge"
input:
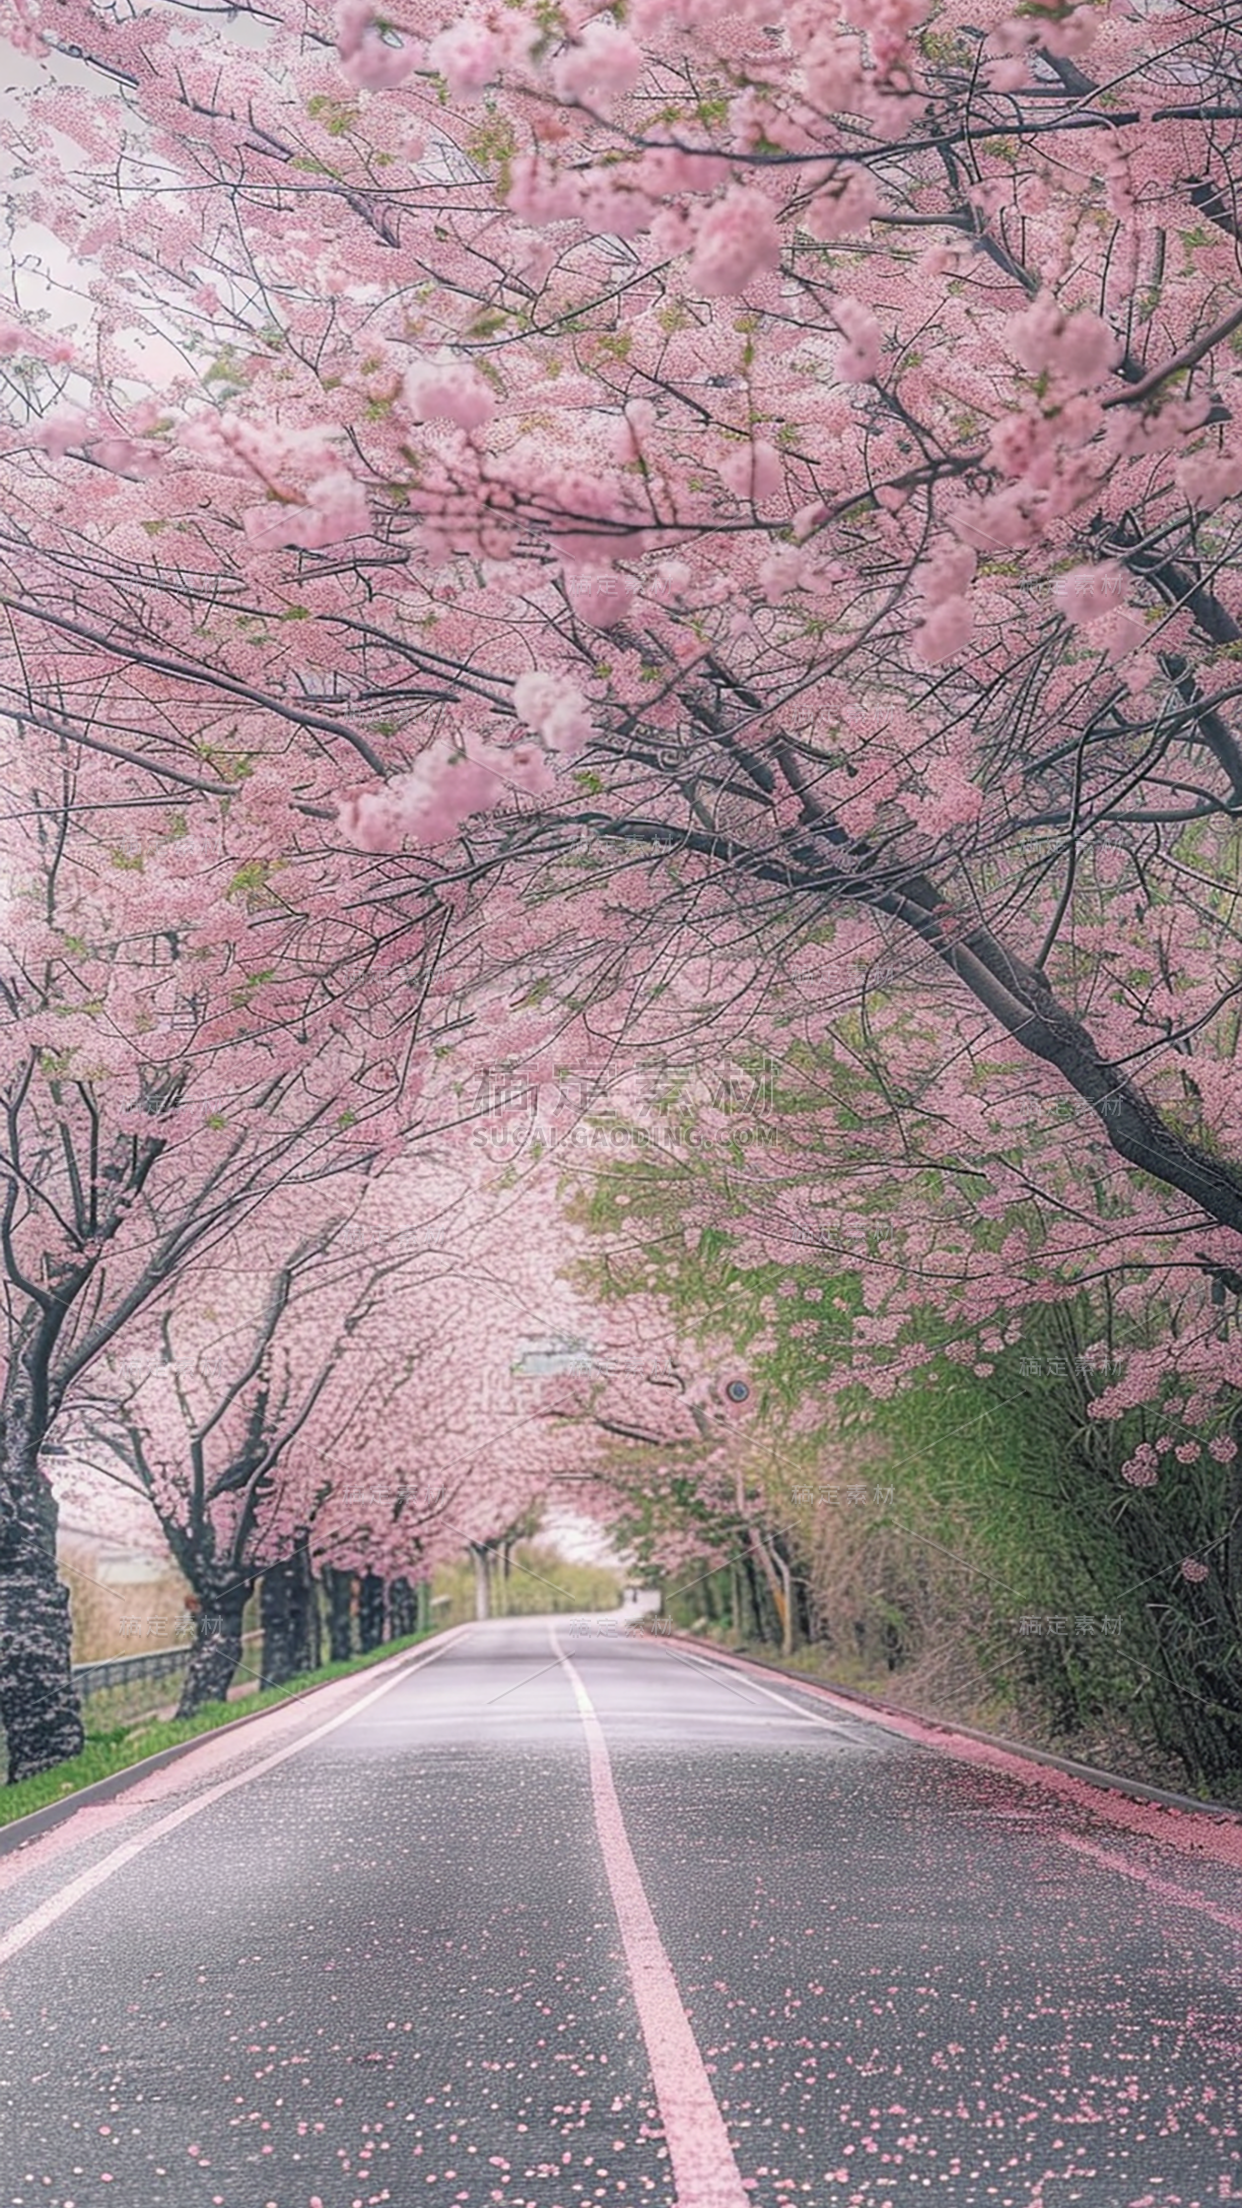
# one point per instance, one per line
(107, 1752)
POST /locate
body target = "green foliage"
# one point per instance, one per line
(337, 117)
(539, 1581)
(1011, 1547)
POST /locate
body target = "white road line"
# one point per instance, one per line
(662, 1716)
(1162, 1888)
(58, 1905)
(810, 1717)
(704, 2170)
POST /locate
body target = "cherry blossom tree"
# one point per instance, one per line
(271, 1409)
(887, 1323)
(348, 1383)
(953, 396)
(799, 457)
(205, 1406)
(753, 481)
(158, 1084)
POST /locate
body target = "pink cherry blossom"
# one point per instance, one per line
(334, 509)
(737, 239)
(605, 61)
(845, 207)
(468, 55)
(1078, 348)
(945, 631)
(601, 599)
(446, 389)
(1088, 594)
(555, 709)
(754, 470)
(859, 357)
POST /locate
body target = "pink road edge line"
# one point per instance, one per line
(704, 2170)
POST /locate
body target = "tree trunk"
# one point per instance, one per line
(370, 1611)
(787, 1618)
(423, 1593)
(39, 1706)
(754, 1598)
(402, 1610)
(1233, 1528)
(276, 1616)
(804, 1616)
(289, 1614)
(482, 1582)
(217, 1649)
(774, 1575)
(309, 1639)
(339, 1587)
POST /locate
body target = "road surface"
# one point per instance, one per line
(540, 1917)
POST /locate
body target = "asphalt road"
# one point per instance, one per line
(539, 1918)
